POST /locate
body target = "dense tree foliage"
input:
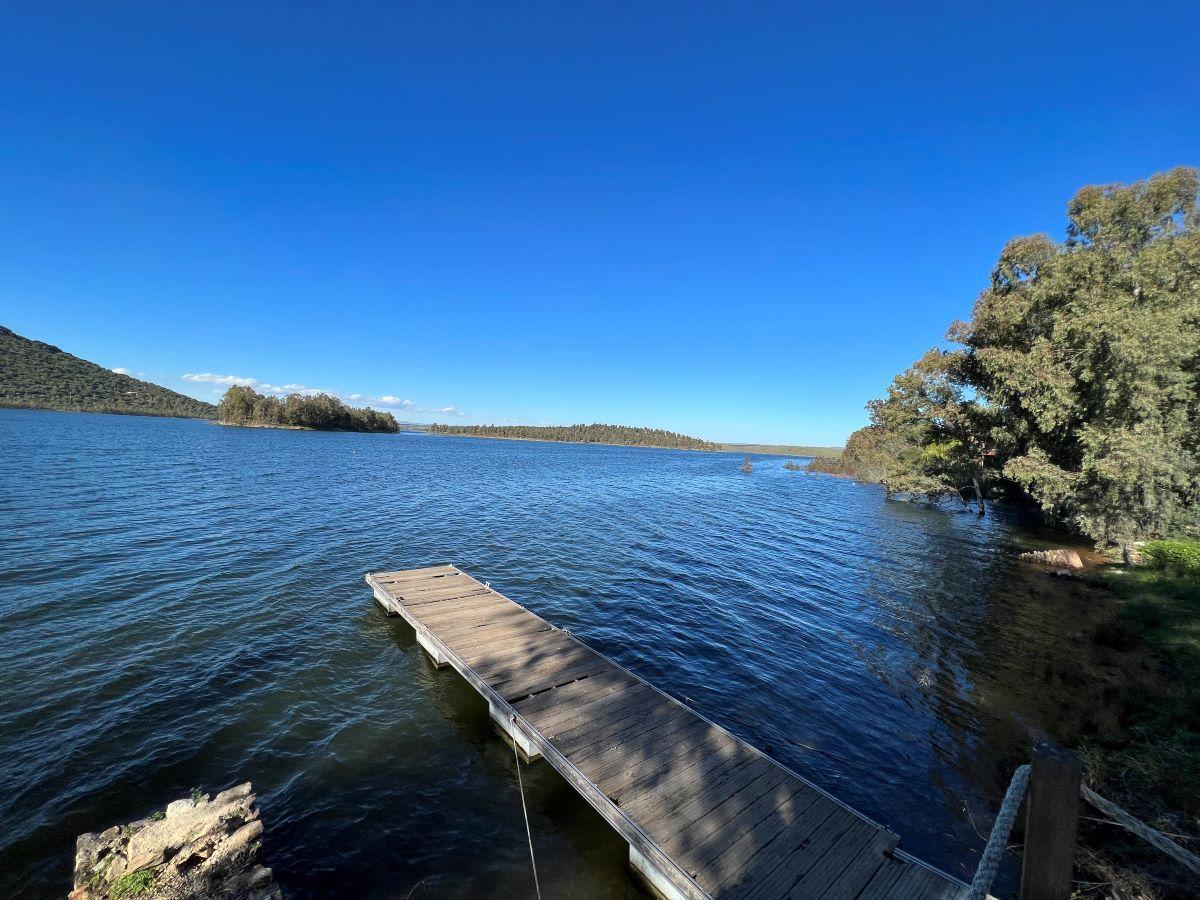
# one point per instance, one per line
(583, 434)
(36, 375)
(245, 406)
(1077, 378)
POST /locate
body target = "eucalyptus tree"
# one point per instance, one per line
(1090, 351)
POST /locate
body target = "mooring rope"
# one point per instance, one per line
(1154, 838)
(989, 863)
(521, 789)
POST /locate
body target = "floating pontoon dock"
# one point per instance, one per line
(705, 814)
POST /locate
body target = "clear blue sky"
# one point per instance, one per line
(732, 220)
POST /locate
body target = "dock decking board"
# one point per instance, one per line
(715, 816)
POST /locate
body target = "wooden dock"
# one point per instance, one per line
(705, 814)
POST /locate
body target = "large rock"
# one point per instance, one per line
(196, 848)
(1061, 558)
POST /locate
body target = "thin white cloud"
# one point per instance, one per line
(121, 370)
(209, 378)
(386, 400)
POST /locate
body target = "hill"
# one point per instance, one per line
(35, 375)
(623, 435)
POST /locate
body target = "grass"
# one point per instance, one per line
(131, 884)
(1150, 763)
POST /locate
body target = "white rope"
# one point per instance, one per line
(521, 789)
(989, 863)
(1156, 839)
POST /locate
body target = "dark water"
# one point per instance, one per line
(182, 604)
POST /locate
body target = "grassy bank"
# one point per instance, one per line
(1148, 758)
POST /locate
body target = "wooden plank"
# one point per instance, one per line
(411, 590)
(563, 720)
(605, 717)
(802, 857)
(534, 682)
(442, 595)
(533, 709)
(471, 637)
(690, 833)
(540, 642)
(851, 861)
(418, 575)
(463, 609)
(647, 756)
(761, 824)
(629, 739)
(780, 846)
(529, 661)
(711, 769)
(883, 882)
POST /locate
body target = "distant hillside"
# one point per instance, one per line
(34, 375)
(582, 434)
(784, 450)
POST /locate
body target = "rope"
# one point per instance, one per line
(1156, 839)
(989, 863)
(528, 833)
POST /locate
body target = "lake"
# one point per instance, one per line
(182, 604)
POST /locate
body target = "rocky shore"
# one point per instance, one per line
(195, 848)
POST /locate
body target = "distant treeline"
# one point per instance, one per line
(37, 375)
(583, 434)
(783, 450)
(244, 406)
(1076, 383)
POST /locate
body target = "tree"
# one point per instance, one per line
(928, 436)
(1077, 378)
(1091, 352)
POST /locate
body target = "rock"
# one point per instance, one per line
(1061, 558)
(199, 848)
(234, 793)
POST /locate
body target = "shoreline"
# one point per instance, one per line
(492, 437)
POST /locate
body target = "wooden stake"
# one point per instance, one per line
(1051, 821)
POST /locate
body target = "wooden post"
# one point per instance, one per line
(1051, 820)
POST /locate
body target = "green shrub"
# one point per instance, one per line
(131, 884)
(1181, 555)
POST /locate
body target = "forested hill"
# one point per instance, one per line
(35, 375)
(583, 434)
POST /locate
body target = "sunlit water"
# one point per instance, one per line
(182, 605)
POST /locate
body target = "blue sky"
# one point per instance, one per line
(732, 220)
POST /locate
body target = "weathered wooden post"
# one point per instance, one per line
(1051, 821)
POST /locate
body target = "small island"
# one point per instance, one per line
(244, 406)
(622, 435)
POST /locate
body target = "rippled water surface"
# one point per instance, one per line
(182, 604)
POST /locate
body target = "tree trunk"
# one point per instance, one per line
(978, 495)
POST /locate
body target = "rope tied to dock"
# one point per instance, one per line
(989, 863)
(528, 832)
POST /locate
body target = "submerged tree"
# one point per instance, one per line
(928, 436)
